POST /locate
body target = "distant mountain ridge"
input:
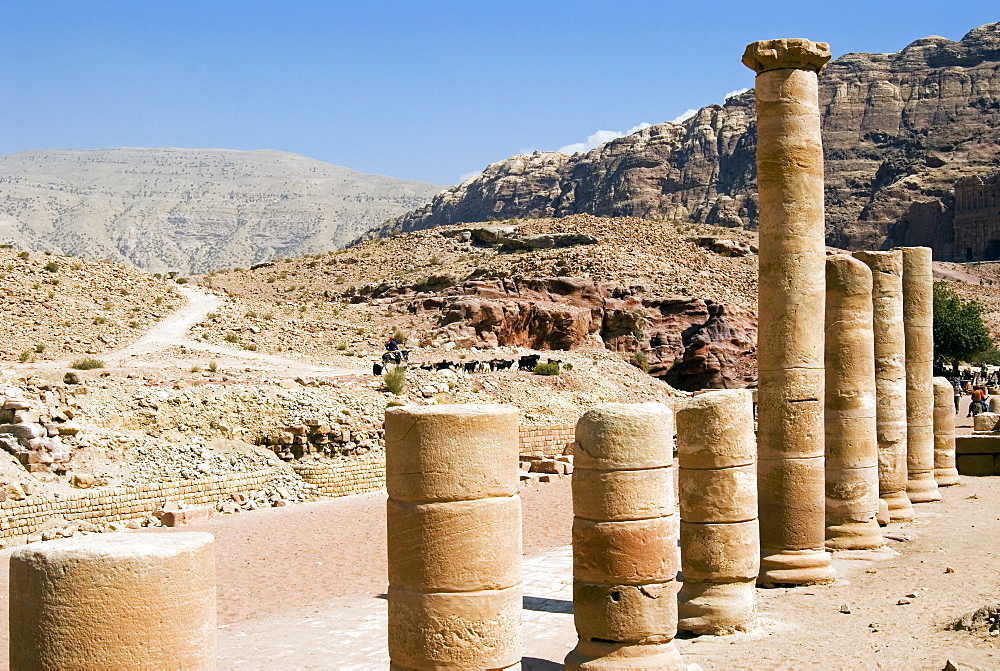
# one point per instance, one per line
(191, 210)
(898, 130)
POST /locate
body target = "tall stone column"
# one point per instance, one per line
(851, 438)
(118, 601)
(454, 537)
(720, 545)
(918, 326)
(624, 539)
(790, 476)
(945, 472)
(890, 379)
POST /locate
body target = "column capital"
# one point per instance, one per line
(792, 53)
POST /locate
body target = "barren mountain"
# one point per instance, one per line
(898, 130)
(190, 210)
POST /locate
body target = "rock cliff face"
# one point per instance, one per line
(691, 343)
(190, 210)
(898, 129)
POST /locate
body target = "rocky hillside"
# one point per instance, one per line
(57, 307)
(681, 304)
(190, 210)
(898, 129)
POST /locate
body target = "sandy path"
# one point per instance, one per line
(299, 586)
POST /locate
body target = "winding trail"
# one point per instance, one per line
(173, 331)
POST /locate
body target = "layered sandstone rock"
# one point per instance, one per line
(898, 131)
(691, 343)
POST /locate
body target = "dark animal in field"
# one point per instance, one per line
(376, 368)
(528, 362)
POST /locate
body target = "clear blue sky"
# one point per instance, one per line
(414, 89)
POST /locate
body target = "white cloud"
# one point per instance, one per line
(600, 137)
(466, 175)
(735, 93)
(685, 116)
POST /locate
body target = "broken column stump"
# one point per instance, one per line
(454, 537)
(624, 539)
(103, 602)
(720, 545)
(945, 472)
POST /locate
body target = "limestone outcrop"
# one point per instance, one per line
(898, 131)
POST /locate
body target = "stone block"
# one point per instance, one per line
(985, 421)
(976, 464)
(176, 518)
(977, 444)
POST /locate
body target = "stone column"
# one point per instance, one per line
(720, 544)
(625, 556)
(890, 379)
(851, 438)
(790, 311)
(945, 472)
(918, 326)
(454, 537)
(117, 601)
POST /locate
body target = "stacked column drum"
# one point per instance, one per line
(454, 537)
(625, 555)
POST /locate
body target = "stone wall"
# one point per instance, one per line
(123, 503)
(337, 477)
(978, 455)
(342, 477)
(546, 441)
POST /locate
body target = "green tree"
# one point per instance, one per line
(959, 331)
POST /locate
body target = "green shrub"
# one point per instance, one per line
(196, 368)
(22, 255)
(341, 347)
(158, 300)
(546, 369)
(39, 347)
(251, 315)
(567, 366)
(52, 267)
(133, 324)
(181, 280)
(250, 346)
(24, 357)
(87, 363)
(395, 379)
(232, 337)
(394, 404)
(213, 366)
(100, 320)
(641, 361)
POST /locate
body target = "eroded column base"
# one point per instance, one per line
(946, 477)
(795, 567)
(591, 655)
(396, 667)
(921, 487)
(900, 508)
(716, 609)
(882, 517)
(455, 630)
(854, 536)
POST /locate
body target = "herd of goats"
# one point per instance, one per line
(527, 362)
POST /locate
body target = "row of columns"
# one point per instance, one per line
(847, 417)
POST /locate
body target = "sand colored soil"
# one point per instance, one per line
(285, 564)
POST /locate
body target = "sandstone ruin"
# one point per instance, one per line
(918, 327)
(890, 379)
(851, 439)
(790, 312)
(624, 539)
(720, 546)
(945, 472)
(114, 602)
(454, 537)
